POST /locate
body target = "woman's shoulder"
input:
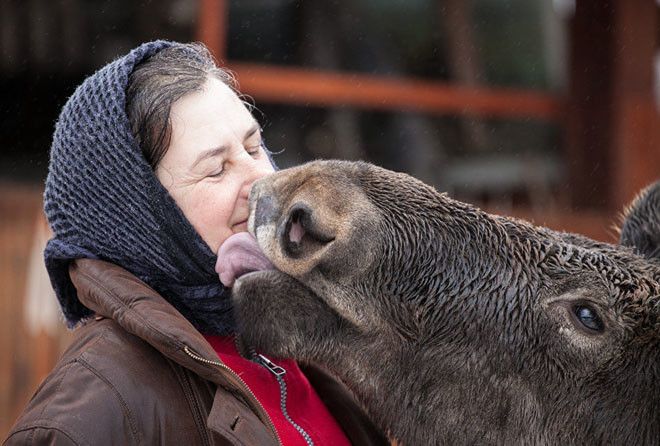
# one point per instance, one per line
(114, 355)
(109, 386)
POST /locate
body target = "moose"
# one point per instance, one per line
(451, 325)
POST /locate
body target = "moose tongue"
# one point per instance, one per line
(240, 254)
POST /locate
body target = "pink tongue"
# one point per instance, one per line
(240, 254)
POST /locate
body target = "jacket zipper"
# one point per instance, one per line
(199, 420)
(263, 412)
(279, 373)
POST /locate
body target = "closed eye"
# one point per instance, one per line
(218, 172)
(254, 150)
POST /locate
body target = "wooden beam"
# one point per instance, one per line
(589, 104)
(613, 125)
(212, 18)
(464, 60)
(635, 150)
(324, 88)
(19, 207)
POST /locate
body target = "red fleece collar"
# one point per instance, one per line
(302, 403)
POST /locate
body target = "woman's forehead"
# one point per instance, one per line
(214, 99)
(208, 118)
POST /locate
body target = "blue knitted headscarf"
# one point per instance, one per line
(103, 201)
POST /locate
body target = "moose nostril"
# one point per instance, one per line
(297, 222)
(302, 232)
(297, 231)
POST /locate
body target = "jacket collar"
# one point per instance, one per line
(113, 292)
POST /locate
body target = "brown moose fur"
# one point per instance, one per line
(453, 326)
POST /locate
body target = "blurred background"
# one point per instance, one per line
(541, 109)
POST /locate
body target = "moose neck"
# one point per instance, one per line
(428, 400)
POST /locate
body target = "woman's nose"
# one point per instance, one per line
(254, 170)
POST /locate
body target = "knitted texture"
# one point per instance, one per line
(103, 201)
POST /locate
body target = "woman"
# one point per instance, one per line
(151, 165)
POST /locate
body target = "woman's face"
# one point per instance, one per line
(215, 154)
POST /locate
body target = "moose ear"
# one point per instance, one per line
(641, 225)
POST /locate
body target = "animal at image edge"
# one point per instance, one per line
(451, 325)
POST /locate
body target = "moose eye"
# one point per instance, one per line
(588, 318)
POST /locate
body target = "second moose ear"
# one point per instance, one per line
(641, 226)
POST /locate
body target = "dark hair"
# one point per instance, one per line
(157, 83)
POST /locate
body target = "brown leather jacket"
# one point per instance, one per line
(141, 374)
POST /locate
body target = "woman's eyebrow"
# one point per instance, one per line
(252, 130)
